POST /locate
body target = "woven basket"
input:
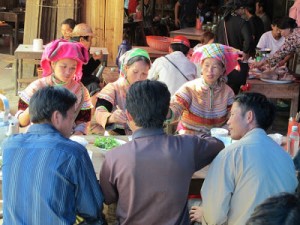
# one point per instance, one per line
(159, 43)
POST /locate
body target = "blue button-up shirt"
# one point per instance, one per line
(48, 179)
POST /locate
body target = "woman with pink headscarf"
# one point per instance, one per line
(204, 103)
(62, 66)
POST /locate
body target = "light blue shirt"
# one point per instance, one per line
(243, 175)
(48, 179)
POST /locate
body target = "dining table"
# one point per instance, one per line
(277, 89)
(190, 33)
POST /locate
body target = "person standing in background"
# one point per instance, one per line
(294, 12)
(234, 31)
(256, 24)
(83, 34)
(260, 12)
(66, 28)
(185, 13)
(272, 39)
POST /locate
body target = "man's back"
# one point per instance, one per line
(243, 175)
(150, 176)
(48, 179)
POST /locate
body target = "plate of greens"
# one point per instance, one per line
(107, 143)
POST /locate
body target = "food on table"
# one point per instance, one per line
(106, 142)
(275, 73)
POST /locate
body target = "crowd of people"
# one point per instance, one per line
(50, 179)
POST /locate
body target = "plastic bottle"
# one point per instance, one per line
(293, 141)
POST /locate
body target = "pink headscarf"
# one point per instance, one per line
(62, 49)
(227, 55)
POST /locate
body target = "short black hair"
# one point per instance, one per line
(282, 209)
(49, 99)
(180, 47)
(276, 21)
(262, 3)
(148, 103)
(77, 38)
(70, 22)
(263, 109)
(287, 22)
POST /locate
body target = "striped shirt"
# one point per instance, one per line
(200, 106)
(48, 179)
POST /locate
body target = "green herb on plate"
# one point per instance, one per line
(106, 142)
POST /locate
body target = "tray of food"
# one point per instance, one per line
(276, 75)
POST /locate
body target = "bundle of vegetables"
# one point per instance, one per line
(106, 142)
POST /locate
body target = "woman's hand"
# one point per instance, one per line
(118, 116)
(257, 64)
(196, 214)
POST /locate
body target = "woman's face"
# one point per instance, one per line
(286, 32)
(212, 69)
(137, 71)
(64, 69)
(66, 31)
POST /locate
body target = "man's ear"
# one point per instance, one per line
(56, 119)
(250, 116)
(81, 39)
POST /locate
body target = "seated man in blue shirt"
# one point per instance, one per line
(48, 178)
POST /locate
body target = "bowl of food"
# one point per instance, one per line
(105, 144)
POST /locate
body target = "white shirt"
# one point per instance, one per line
(162, 70)
(268, 41)
(243, 175)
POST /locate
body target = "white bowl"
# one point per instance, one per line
(216, 131)
(80, 140)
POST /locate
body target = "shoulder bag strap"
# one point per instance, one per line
(226, 36)
(176, 68)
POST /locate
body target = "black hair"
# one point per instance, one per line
(70, 22)
(49, 99)
(148, 103)
(261, 3)
(263, 109)
(276, 21)
(287, 22)
(282, 209)
(206, 37)
(77, 38)
(180, 47)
